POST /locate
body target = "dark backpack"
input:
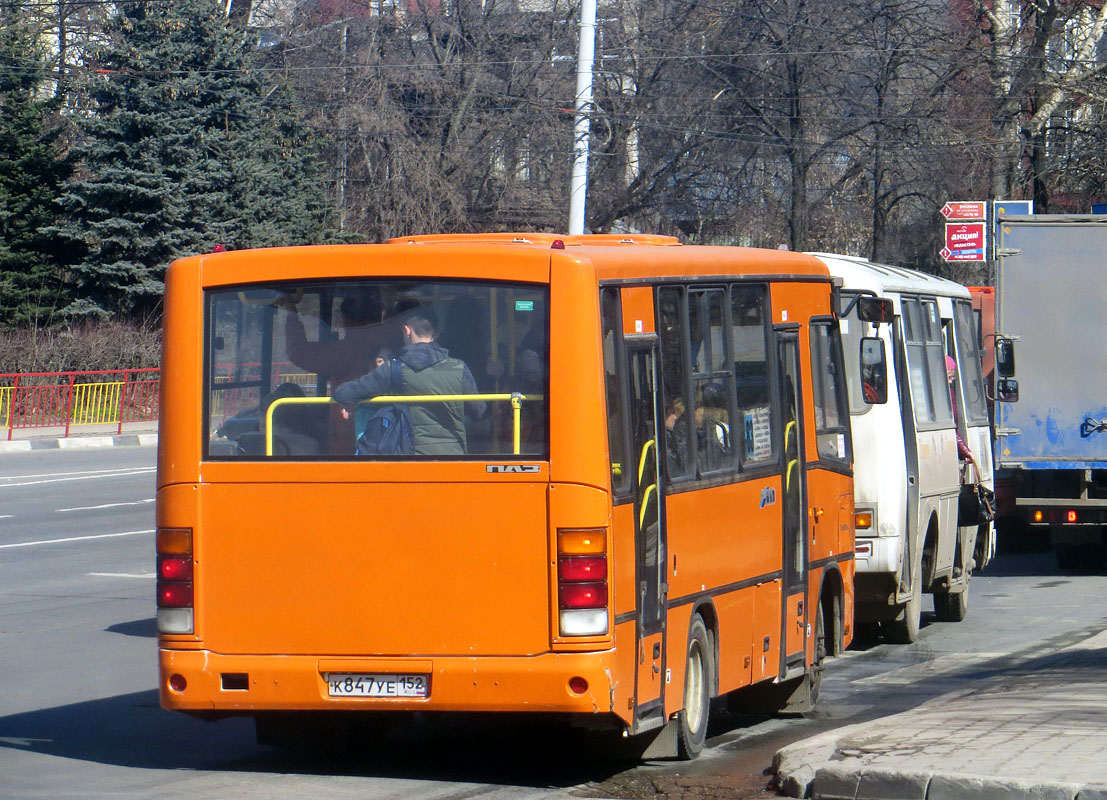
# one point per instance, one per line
(388, 429)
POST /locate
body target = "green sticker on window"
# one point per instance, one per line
(524, 305)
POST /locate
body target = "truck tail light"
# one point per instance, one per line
(175, 575)
(582, 592)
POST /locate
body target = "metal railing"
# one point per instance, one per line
(71, 399)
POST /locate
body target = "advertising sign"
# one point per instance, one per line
(965, 210)
(965, 241)
(1006, 208)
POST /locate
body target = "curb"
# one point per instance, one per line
(827, 766)
(797, 775)
(80, 443)
(845, 783)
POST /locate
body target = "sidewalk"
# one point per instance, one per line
(1037, 730)
(81, 437)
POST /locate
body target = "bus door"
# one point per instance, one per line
(794, 488)
(916, 403)
(649, 520)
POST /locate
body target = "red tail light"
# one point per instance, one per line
(175, 593)
(592, 594)
(582, 568)
(174, 568)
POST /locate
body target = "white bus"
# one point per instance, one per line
(906, 463)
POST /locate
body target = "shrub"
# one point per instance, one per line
(82, 346)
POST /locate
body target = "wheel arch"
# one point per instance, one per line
(832, 602)
(929, 551)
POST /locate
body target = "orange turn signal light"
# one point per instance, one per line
(580, 542)
(174, 541)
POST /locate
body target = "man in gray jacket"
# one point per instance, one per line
(437, 429)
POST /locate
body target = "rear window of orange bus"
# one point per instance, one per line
(274, 355)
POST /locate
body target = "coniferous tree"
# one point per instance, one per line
(31, 173)
(186, 149)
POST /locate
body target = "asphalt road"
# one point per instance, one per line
(79, 714)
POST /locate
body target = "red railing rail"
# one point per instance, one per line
(69, 399)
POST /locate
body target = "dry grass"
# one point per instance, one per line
(87, 346)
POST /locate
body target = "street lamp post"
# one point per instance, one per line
(586, 53)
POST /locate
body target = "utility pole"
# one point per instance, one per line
(582, 123)
(344, 145)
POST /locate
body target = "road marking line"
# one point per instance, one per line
(80, 472)
(74, 539)
(76, 477)
(106, 505)
(145, 575)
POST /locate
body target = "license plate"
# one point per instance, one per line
(345, 684)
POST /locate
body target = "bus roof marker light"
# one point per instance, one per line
(558, 244)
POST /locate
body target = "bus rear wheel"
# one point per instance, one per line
(698, 672)
(951, 606)
(904, 629)
(819, 664)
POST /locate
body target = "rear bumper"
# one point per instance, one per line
(493, 683)
(878, 556)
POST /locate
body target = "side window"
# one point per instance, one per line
(936, 362)
(672, 317)
(915, 338)
(969, 355)
(712, 380)
(748, 334)
(616, 434)
(926, 361)
(852, 331)
(828, 389)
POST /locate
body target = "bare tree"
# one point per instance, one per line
(440, 121)
(1045, 60)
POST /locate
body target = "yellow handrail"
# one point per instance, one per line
(642, 458)
(651, 489)
(515, 398)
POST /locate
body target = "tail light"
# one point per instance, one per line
(175, 568)
(582, 593)
(863, 519)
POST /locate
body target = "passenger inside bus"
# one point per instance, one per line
(676, 440)
(438, 428)
(713, 428)
(343, 359)
(963, 451)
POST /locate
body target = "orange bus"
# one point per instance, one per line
(651, 504)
